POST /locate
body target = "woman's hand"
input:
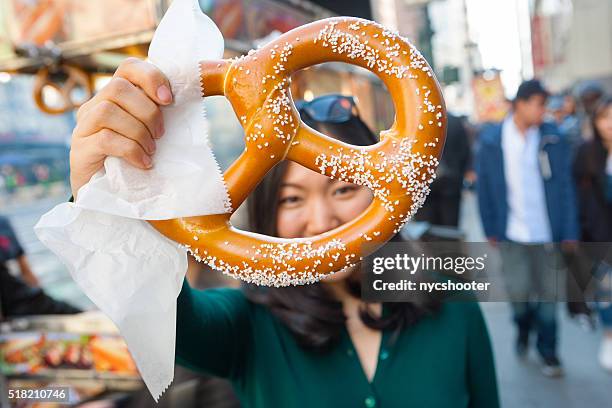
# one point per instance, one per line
(122, 120)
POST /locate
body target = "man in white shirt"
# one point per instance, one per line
(526, 203)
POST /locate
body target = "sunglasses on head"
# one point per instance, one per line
(328, 108)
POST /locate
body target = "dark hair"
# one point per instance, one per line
(529, 88)
(311, 313)
(595, 151)
(600, 108)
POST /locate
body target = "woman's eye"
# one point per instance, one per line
(289, 200)
(344, 190)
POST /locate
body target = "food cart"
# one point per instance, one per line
(82, 352)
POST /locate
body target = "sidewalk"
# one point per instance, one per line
(521, 384)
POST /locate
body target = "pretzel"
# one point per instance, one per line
(398, 169)
(74, 78)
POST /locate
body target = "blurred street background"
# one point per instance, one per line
(481, 50)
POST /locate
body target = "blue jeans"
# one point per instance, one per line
(603, 297)
(605, 314)
(541, 318)
(534, 277)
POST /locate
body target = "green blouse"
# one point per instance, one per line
(443, 361)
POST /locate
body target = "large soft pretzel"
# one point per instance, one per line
(398, 169)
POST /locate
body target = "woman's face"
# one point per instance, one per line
(311, 204)
(603, 122)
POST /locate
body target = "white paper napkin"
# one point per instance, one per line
(129, 270)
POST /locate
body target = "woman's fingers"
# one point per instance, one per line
(137, 87)
(109, 115)
(135, 102)
(110, 143)
(122, 120)
(147, 77)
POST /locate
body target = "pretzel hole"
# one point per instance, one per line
(225, 134)
(289, 180)
(52, 97)
(374, 104)
(78, 95)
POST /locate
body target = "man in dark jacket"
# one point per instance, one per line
(527, 201)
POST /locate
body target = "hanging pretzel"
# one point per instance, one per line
(398, 169)
(72, 78)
